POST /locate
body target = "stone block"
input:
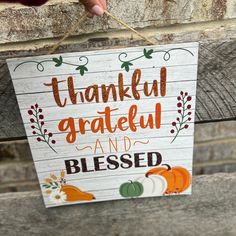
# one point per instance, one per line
(15, 151)
(215, 131)
(215, 150)
(17, 172)
(18, 23)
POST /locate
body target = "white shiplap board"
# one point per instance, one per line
(29, 76)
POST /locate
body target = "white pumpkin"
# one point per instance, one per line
(153, 185)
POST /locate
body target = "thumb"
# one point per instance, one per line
(95, 7)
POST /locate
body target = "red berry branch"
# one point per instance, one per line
(38, 126)
(184, 114)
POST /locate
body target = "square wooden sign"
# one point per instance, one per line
(110, 124)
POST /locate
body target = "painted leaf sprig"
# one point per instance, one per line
(82, 69)
(54, 182)
(51, 185)
(184, 112)
(58, 61)
(37, 121)
(126, 65)
(148, 53)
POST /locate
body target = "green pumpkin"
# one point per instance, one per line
(131, 189)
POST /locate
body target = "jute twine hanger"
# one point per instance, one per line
(82, 19)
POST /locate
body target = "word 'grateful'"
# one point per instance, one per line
(104, 122)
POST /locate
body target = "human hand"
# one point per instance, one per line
(27, 2)
(94, 7)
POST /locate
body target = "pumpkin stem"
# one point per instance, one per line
(131, 181)
(168, 166)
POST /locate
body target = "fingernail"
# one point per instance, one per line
(97, 10)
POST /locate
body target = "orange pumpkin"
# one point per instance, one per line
(75, 194)
(178, 178)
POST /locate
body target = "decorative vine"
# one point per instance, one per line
(184, 115)
(59, 62)
(126, 64)
(37, 120)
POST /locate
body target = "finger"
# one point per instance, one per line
(103, 3)
(93, 6)
(89, 14)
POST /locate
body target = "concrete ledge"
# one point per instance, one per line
(202, 32)
(18, 23)
(211, 210)
(19, 186)
(18, 171)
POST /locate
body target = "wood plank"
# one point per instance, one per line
(179, 215)
(216, 98)
(214, 151)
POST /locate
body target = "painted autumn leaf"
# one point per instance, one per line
(58, 61)
(148, 53)
(126, 65)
